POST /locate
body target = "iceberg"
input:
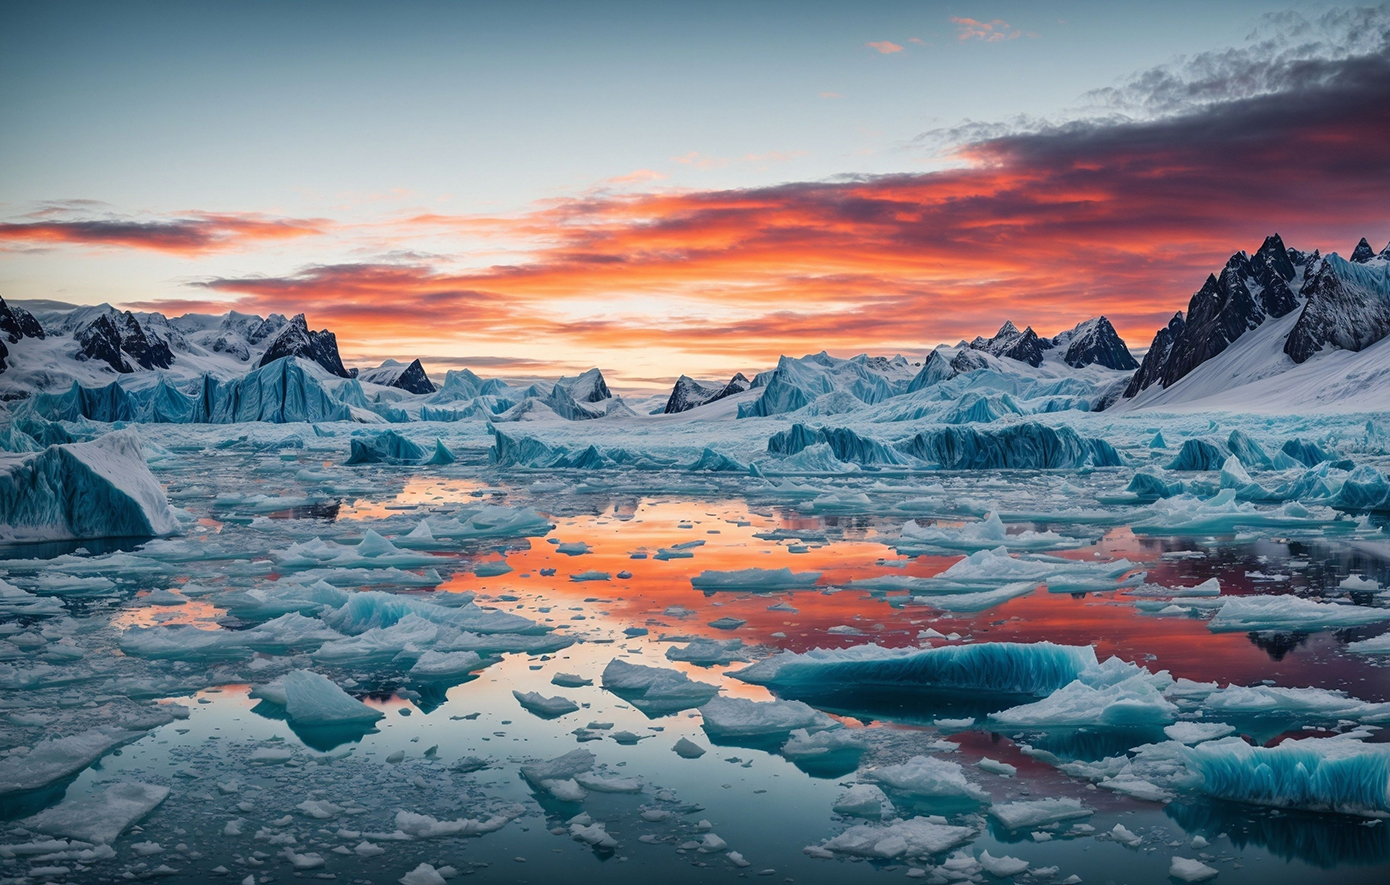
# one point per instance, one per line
(1293, 704)
(54, 759)
(926, 777)
(654, 690)
(1365, 489)
(997, 667)
(387, 447)
(423, 826)
(489, 521)
(312, 699)
(729, 718)
(1129, 703)
(1026, 446)
(544, 707)
(863, 800)
(1223, 514)
(755, 579)
(100, 817)
(708, 652)
(1337, 774)
(1198, 454)
(1288, 612)
(917, 837)
(1034, 813)
(988, 534)
(98, 489)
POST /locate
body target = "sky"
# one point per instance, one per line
(658, 189)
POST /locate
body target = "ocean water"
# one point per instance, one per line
(254, 792)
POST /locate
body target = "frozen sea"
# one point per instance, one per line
(870, 673)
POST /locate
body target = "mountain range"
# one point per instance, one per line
(1279, 328)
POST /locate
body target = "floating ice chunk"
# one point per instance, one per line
(1210, 587)
(56, 758)
(1359, 584)
(595, 834)
(599, 784)
(654, 689)
(1293, 703)
(1125, 836)
(422, 826)
(863, 800)
(570, 680)
(370, 609)
(688, 749)
(544, 707)
(407, 638)
(1378, 645)
(488, 521)
(314, 699)
(1136, 787)
(708, 652)
(1002, 867)
(98, 489)
(1288, 612)
(99, 817)
(319, 809)
(387, 447)
(1035, 813)
(803, 744)
(590, 575)
(373, 551)
(1196, 732)
(186, 642)
(438, 665)
(1338, 774)
(727, 623)
(1223, 514)
(1189, 870)
(988, 534)
(424, 874)
(918, 837)
(927, 777)
(16, 602)
(994, 766)
(1131, 702)
(1006, 667)
(756, 579)
(974, 602)
(742, 717)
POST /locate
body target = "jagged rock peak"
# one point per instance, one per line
(1095, 341)
(410, 378)
(587, 387)
(17, 323)
(295, 339)
(1151, 370)
(687, 393)
(1363, 252)
(1346, 305)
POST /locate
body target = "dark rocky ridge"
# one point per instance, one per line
(295, 339)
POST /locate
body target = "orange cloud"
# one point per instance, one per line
(884, 47)
(995, 31)
(1046, 229)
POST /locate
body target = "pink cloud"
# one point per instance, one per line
(884, 47)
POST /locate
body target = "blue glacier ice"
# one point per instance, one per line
(280, 392)
(1365, 488)
(1337, 774)
(387, 447)
(1029, 446)
(1004, 667)
(1198, 454)
(98, 489)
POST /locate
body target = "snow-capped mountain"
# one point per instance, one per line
(689, 393)
(410, 378)
(1279, 329)
(52, 346)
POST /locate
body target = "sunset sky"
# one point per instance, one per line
(534, 188)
